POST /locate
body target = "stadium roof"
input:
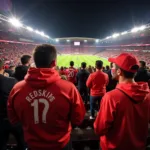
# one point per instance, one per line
(76, 39)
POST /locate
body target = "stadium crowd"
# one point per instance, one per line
(39, 105)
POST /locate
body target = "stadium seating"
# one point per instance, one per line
(11, 52)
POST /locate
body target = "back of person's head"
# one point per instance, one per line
(99, 64)
(71, 63)
(103, 68)
(62, 68)
(107, 68)
(20, 72)
(83, 65)
(25, 59)
(45, 56)
(142, 64)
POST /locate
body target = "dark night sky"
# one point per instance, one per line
(82, 18)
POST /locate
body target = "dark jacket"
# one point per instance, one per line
(142, 75)
(82, 77)
(6, 84)
(10, 72)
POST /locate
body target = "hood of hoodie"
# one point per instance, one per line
(41, 77)
(137, 91)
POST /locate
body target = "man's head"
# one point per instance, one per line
(71, 63)
(142, 64)
(45, 56)
(125, 66)
(83, 65)
(107, 68)
(25, 60)
(99, 64)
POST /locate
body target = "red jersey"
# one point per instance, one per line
(97, 83)
(46, 106)
(71, 74)
(122, 122)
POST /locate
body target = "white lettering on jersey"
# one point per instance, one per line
(71, 73)
(36, 104)
(44, 93)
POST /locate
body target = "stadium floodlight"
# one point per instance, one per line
(108, 37)
(29, 29)
(42, 34)
(142, 28)
(68, 40)
(85, 41)
(47, 36)
(123, 33)
(135, 30)
(97, 40)
(115, 35)
(38, 32)
(57, 40)
(15, 22)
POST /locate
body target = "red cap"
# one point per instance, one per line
(126, 62)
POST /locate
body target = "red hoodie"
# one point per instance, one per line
(122, 122)
(71, 74)
(97, 83)
(46, 106)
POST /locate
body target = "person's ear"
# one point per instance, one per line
(119, 72)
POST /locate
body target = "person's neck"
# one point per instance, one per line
(98, 69)
(125, 80)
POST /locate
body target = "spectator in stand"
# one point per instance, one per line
(122, 122)
(10, 71)
(71, 73)
(107, 69)
(45, 104)
(104, 69)
(6, 85)
(21, 70)
(112, 82)
(90, 70)
(142, 75)
(62, 71)
(81, 78)
(97, 83)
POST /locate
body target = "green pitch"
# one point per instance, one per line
(64, 60)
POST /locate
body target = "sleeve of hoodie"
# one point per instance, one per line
(10, 108)
(106, 115)
(89, 82)
(77, 109)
